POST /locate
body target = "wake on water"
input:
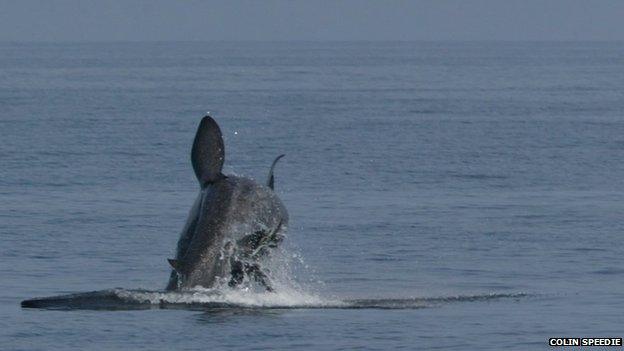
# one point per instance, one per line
(288, 294)
(203, 299)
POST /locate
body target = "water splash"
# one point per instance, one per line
(284, 267)
(203, 299)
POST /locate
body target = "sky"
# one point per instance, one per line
(317, 20)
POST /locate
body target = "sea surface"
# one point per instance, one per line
(443, 195)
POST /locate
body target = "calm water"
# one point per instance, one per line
(413, 170)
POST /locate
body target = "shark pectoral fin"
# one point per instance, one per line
(271, 180)
(208, 152)
(175, 264)
(259, 276)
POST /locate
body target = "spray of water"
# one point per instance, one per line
(294, 286)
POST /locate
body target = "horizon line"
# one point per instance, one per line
(316, 41)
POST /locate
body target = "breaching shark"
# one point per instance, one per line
(233, 224)
(232, 227)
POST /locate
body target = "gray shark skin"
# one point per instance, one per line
(233, 224)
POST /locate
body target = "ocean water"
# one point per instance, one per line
(457, 196)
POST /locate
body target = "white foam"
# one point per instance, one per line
(238, 297)
(281, 267)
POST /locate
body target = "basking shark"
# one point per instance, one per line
(233, 224)
(231, 229)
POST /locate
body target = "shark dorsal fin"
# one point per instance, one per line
(208, 153)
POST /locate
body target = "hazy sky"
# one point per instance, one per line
(114, 20)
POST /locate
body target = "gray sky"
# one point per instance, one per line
(160, 20)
